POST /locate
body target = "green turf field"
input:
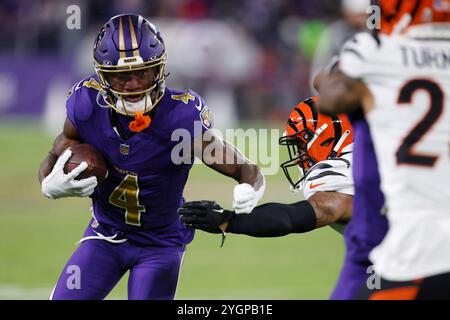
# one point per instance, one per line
(38, 235)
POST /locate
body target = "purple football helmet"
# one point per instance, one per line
(127, 43)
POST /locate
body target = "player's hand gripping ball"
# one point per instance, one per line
(84, 152)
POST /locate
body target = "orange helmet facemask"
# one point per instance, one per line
(312, 137)
(399, 14)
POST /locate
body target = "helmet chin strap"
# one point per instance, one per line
(136, 109)
(131, 108)
(297, 188)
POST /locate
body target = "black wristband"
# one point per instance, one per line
(275, 220)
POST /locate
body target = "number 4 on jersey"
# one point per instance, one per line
(126, 196)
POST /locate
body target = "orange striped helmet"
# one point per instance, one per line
(312, 137)
(419, 11)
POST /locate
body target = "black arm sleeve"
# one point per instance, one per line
(275, 220)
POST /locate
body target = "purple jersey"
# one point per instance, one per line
(144, 188)
(368, 226)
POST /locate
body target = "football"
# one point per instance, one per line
(96, 163)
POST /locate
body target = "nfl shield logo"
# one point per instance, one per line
(206, 118)
(124, 149)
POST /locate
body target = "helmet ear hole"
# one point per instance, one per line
(307, 135)
(327, 142)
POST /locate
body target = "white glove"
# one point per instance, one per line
(245, 197)
(58, 184)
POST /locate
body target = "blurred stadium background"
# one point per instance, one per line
(251, 60)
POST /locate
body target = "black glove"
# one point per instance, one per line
(204, 215)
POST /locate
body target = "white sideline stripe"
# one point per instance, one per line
(240, 294)
(16, 292)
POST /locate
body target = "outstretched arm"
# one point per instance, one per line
(271, 219)
(275, 219)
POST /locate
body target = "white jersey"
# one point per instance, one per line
(331, 175)
(409, 78)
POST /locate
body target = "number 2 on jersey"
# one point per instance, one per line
(126, 196)
(405, 153)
